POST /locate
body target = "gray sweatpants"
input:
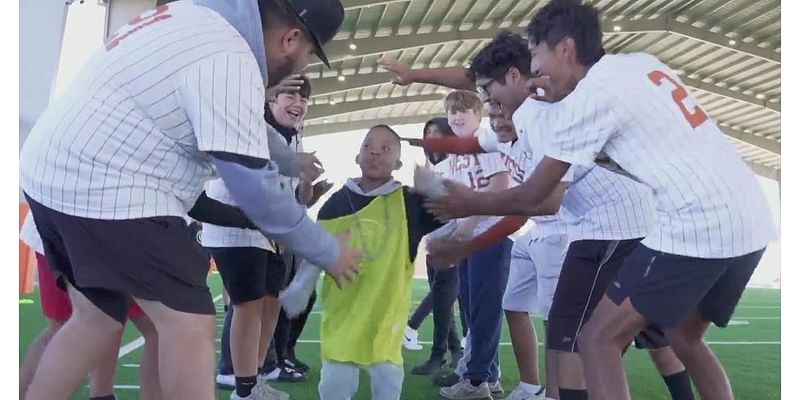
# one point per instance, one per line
(339, 381)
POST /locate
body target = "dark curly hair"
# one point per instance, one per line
(569, 18)
(506, 50)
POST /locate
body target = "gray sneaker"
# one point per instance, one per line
(262, 391)
(465, 391)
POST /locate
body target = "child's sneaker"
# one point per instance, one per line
(465, 391)
(410, 339)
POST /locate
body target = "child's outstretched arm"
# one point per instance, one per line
(448, 144)
(294, 298)
(485, 141)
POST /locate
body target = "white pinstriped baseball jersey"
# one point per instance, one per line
(598, 204)
(128, 137)
(219, 236)
(634, 110)
(520, 162)
(473, 170)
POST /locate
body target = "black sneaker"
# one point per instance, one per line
(283, 373)
(445, 378)
(430, 367)
(296, 364)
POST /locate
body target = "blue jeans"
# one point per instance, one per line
(482, 281)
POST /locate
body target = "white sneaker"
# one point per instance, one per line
(521, 394)
(272, 375)
(262, 391)
(463, 343)
(411, 339)
(226, 381)
(465, 391)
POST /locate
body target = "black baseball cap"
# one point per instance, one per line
(320, 19)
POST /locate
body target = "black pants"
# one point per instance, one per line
(439, 300)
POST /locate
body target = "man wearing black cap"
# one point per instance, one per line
(173, 99)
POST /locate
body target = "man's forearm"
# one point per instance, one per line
(455, 78)
(528, 197)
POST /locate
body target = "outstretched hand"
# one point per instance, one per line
(310, 166)
(347, 266)
(403, 75)
(290, 84)
(459, 202)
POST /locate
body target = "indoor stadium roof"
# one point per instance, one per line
(727, 51)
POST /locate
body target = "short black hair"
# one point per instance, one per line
(388, 128)
(569, 18)
(506, 50)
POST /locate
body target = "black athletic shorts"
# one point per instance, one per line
(249, 273)
(666, 288)
(109, 261)
(589, 267)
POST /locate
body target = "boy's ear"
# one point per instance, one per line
(358, 158)
(398, 165)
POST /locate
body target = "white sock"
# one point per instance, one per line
(294, 298)
(530, 388)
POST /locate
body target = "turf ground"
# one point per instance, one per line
(750, 350)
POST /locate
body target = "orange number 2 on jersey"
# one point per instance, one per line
(148, 18)
(696, 116)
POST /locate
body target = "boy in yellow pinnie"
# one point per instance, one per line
(362, 323)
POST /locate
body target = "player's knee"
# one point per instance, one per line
(252, 308)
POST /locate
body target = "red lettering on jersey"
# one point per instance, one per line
(147, 18)
(696, 116)
(517, 174)
(478, 181)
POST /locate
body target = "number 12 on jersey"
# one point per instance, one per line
(695, 117)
